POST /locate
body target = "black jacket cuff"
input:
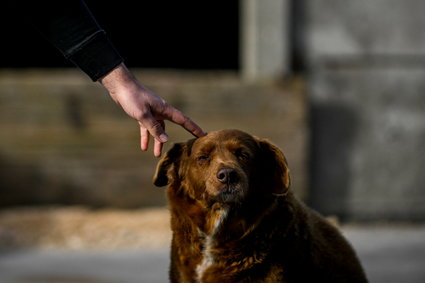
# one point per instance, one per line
(97, 57)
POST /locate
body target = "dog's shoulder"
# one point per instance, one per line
(319, 246)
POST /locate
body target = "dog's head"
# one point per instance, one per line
(225, 166)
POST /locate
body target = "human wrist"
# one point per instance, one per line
(119, 79)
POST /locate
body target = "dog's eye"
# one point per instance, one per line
(202, 159)
(241, 154)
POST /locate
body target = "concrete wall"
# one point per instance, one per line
(366, 77)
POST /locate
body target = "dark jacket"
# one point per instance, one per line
(70, 26)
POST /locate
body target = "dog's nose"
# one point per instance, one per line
(227, 175)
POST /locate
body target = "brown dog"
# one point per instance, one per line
(234, 218)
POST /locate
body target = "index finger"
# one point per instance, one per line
(179, 118)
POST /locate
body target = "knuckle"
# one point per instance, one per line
(156, 128)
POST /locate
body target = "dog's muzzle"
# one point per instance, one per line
(230, 184)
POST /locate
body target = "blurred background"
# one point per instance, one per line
(337, 85)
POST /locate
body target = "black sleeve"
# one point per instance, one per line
(70, 26)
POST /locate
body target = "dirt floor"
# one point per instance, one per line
(78, 228)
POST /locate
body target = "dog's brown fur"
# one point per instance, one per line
(234, 218)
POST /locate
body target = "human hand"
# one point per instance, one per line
(148, 109)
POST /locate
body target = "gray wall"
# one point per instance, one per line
(366, 77)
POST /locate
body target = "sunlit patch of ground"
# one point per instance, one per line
(78, 228)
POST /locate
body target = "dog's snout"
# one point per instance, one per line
(227, 175)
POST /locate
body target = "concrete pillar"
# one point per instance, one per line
(264, 39)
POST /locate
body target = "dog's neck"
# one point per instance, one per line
(223, 220)
(215, 219)
(227, 222)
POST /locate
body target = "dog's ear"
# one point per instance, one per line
(160, 178)
(168, 166)
(274, 166)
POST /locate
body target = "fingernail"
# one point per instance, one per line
(163, 138)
